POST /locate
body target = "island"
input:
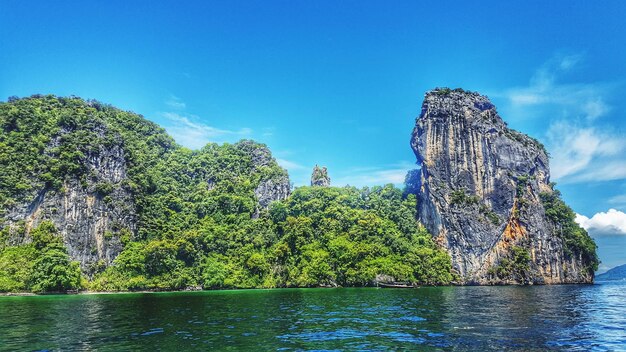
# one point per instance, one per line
(96, 198)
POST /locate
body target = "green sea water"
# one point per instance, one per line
(574, 317)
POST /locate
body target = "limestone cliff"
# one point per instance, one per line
(269, 189)
(480, 194)
(87, 211)
(319, 177)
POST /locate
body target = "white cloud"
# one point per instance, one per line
(195, 135)
(175, 102)
(601, 171)
(612, 222)
(569, 61)
(524, 98)
(268, 131)
(595, 108)
(575, 99)
(585, 153)
(582, 148)
(619, 200)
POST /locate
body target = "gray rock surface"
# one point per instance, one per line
(479, 192)
(90, 214)
(277, 188)
(273, 188)
(320, 177)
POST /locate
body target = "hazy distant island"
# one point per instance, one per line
(95, 198)
(617, 273)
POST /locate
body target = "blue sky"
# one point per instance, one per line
(340, 83)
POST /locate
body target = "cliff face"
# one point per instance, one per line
(480, 194)
(270, 189)
(83, 217)
(87, 211)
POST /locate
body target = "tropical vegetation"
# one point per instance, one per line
(199, 222)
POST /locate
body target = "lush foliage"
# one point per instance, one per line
(199, 218)
(45, 140)
(459, 197)
(577, 241)
(446, 91)
(516, 267)
(318, 236)
(40, 266)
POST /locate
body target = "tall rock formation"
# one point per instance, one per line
(320, 177)
(483, 191)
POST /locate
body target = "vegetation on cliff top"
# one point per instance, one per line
(45, 140)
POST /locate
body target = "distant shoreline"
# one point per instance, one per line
(29, 294)
(86, 292)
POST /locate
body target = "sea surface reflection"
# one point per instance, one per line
(571, 317)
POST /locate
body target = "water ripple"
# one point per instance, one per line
(540, 318)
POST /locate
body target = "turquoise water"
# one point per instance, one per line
(577, 317)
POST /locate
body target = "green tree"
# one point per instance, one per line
(54, 272)
(16, 267)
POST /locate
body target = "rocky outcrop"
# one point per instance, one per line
(320, 177)
(94, 213)
(479, 195)
(275, 187)
(91, 213)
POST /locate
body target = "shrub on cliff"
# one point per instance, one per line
(577, 241)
